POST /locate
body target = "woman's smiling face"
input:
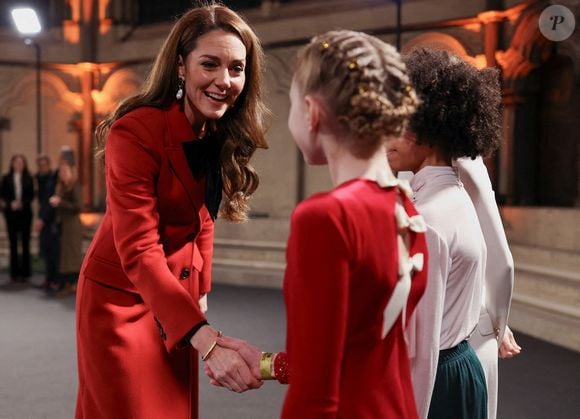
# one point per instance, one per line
(214, 74)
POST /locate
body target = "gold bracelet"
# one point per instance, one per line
(210, 350)
(212, 347)
(266, 366)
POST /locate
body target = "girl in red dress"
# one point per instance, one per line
(354, 256)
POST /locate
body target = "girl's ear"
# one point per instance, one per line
(315, 112)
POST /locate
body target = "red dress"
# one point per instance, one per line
(342, 266)
(141, 278)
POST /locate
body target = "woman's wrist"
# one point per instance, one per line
(208, 353)
(203, 339)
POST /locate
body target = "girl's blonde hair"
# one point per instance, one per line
(363, 83)
(241, 129)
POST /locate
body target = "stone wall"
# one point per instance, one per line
(545, 243)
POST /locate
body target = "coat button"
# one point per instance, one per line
(184, 273)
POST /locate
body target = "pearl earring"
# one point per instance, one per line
(180, 87)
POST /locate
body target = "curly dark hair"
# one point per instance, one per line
(461, 105)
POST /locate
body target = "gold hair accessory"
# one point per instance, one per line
(353, 64)
(408, 88)
(266, 366)
(324, 45)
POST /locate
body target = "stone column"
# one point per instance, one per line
(86, 150)
(492, 21)
(4, 126)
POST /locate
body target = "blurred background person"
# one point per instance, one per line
(67, 154)
(68, 203)
(46, 225)
(17, 191)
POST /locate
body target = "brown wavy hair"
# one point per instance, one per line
(25, 170)
(242, 128)
(61, 185)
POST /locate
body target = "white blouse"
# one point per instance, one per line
(499, 274)
(449, 310)
(17, 186)
(499, 269)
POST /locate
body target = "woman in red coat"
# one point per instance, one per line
(170, 152)
(355, 254)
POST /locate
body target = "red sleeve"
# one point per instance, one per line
(132, 167)
(418, 244)
(316, 291)
(204, 242)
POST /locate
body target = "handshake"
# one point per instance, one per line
(235, 364)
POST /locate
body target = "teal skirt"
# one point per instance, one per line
(460, 390)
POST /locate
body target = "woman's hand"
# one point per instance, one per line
(250, 354)
(54, 201)
(229, 370)
(509, 347)
(226, 365)
(16, 205)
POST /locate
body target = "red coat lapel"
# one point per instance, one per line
(180, 130)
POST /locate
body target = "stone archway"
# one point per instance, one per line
(439, 41)
(24, 87)
(118, 86)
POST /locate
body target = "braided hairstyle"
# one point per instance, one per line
(363, 84)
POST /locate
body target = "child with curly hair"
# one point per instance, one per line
(459, 117)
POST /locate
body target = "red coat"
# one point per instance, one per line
(142, 276)
(342, 266)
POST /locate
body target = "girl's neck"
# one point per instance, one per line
(434, 158)
(344, 166)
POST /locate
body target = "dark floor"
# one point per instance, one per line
(38, 376)
(543, 382)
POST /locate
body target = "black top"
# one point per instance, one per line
(46, 189)
(203, 157)
(8, 193)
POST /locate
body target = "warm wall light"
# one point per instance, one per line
(91, 219)
(26, 21)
